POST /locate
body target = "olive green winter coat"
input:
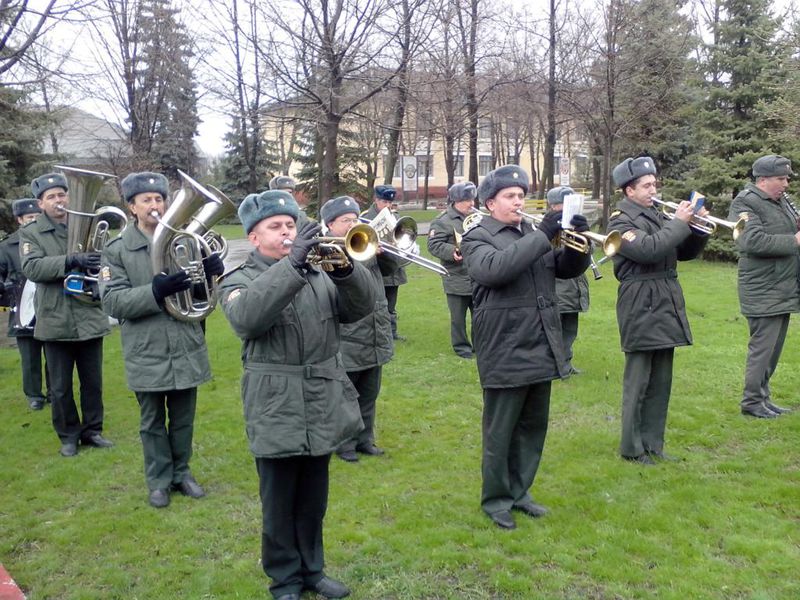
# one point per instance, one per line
(769, 260)
(442, 245)
(651, 312)
(161, 353)
(43, 249)
(296, 394)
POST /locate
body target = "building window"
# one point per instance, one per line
(484, 129)
(484, 165)
(458, 170)
(424, 165)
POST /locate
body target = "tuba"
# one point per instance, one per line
(182, 238)
(87, 231)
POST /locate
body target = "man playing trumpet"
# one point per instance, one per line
(517, 336)
(650, 307)
(299, 405)
(165, 359)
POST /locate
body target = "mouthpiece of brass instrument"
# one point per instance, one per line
(286, 242)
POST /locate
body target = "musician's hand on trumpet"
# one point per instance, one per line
(303, 242)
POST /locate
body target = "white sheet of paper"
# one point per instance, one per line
(573, 205)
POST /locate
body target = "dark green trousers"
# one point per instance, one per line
(646, 388)
(167, 446)
(30, 355)
(294, 498)
(62, 359)
(391, 300)
(767, 335)
(458, 306)
(569, 332)
(368, 385)
(514, 429)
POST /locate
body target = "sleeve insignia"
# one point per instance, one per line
(616, 213)
(431, 233)
(26, 248)
(629, 236)
(105, 273)
(233, 296)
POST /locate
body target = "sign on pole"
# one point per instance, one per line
(563, 170)
(408, 167)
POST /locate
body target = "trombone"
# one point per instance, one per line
(708, 224)
(361, 243)
(582, 242)
(397, 237)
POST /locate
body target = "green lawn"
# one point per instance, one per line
(722, 523)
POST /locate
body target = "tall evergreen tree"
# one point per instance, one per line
(745, 69)
(235, 172)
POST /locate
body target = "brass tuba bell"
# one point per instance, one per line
(182, 238)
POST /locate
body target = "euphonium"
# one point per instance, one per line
(87, 231)
(179, 243)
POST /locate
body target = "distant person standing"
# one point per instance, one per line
(288, 184)
(573, 294)
(72, 330)
(384, 198)
(12, 283)
(769, 263)
(444, 238)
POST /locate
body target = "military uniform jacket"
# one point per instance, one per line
(58, 317)
(769, 261)
(296, 394)
(442, 244)
(516, 329)
(651, 312)
(368, 342)
(161, 353)
(573, 294)
(11, 271)
(398, 277)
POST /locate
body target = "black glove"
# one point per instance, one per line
(165, 285)
(83, 261)
(303, 242)
(579, 223)
(213, 266)
(550, 225)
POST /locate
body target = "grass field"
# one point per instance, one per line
(721, 523)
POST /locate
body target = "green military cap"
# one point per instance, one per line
(501, 178)
(772, 165)
(257, 207)
(632, 168)
(41, 184)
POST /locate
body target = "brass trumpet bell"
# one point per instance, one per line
(361, 243)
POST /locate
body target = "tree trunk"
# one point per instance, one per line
(329, 174)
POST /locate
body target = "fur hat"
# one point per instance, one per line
(557, 194)
(772, 165)
(501, 178)
(41, 184)
(632, 168)
(337, 207)
(26, 206)
(282, 182)
(385, 192)
(461, 191)
(257, 207)
(140, 183)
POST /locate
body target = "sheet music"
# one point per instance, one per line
(573, 205)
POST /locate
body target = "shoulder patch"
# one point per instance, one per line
(233, 295)
(105, 273)
(629, 235)
(616, 213)
(26, 248)
(431, 232)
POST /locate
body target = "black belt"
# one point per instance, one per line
(327, 369)
(668, 274)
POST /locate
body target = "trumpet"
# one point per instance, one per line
(708, 224)
(397, 238)
(582, 242)
(361, 243)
